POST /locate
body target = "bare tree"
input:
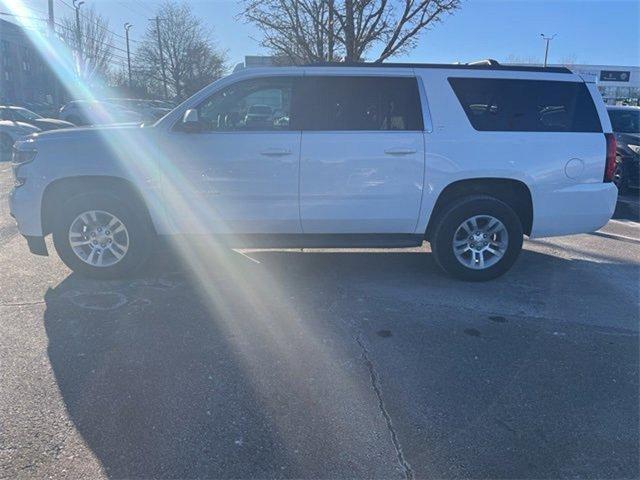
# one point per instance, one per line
(523, 60)
(191, 59)
(92, 45)
(569, 60)
(321, 30)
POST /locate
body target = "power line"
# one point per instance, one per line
(130, 6)
(92, 38)
(97, 24)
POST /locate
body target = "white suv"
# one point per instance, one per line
(468, 157)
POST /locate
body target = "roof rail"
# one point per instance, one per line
(488, 64)
(486, 61)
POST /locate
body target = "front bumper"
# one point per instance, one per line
(25, 204)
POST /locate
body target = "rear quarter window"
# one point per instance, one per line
(526, 105)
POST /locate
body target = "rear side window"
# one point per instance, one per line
(360, 103)
(526, 105)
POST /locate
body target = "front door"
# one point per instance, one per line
(238, 173)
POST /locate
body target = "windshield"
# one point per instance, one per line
(625, 121)
(24, 114)
(260, 110)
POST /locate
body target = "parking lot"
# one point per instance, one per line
(314, 363)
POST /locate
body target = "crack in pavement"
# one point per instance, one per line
(408, 472)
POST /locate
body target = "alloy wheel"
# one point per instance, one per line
(480, 242)
(99, 238)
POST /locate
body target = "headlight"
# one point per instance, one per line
(21, 157)
(634, 148)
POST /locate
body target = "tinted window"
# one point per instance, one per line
(258, 104)
(360, 103)
(526, 105)
(625, 121)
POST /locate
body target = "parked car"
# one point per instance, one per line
(149, 110)
(19, 114)
(44, 109)
(625, 122)
(11, 131)
(467, 157)
(93, 112)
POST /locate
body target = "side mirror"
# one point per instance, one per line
(191, 121)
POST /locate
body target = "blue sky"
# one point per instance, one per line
(588, 31)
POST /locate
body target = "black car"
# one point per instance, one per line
(625, 122)
(19, 114)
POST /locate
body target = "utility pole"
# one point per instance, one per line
(546, 50)
(77, 5)
(127, 26)
(51, 22)
(55, 88)
(164, 74)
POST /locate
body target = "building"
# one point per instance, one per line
(616, 83)
(25, 78)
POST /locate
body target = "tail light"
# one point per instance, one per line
(610, 164)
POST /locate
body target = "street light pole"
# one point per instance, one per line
(127, 26)
(546, 50)
(164, 74)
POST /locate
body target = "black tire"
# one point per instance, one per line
(451, 218)
(141, 237)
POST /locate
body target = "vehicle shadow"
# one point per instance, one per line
(257, 368)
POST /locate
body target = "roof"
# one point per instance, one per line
(622, 107)
(482, 65)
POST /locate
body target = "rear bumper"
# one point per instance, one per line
(576, 209)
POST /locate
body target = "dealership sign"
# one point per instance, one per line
(614, 76)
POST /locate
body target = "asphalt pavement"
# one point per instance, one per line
(323, 363)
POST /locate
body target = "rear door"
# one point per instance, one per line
(362, 153)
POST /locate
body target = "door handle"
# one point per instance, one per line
(400, 151)
(275, 152)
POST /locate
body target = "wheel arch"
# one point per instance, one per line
(514, 193)
(62, 189)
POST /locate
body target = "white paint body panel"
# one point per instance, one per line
(235, 183)
(361, 182)
(456, 151)
(331, 182)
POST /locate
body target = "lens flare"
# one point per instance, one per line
(270, 325)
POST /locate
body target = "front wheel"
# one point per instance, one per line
(100, 236)
(477, 238)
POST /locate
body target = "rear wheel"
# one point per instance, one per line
(101, 236)
(477, 238)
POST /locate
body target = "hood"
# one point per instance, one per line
(103, 131)
(18, 128)
(51, 123)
